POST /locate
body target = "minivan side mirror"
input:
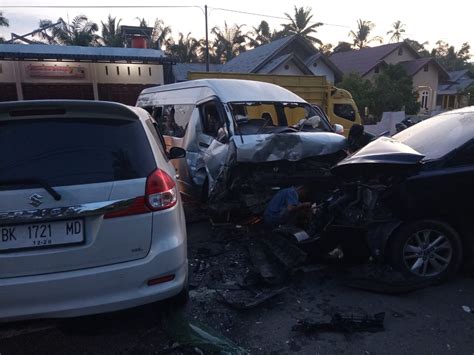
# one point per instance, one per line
(176, 153)
(339, 129)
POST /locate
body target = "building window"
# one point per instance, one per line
(128, 70)
(315, 64)
(426, 67)
(376, 70)
(106, 70)
(287, 66)
(424, 99)
(139, 71)
(400, 51)
(118, 70)
(1, 69)
(149, 71)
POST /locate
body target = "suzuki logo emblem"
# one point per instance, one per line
(35, 200)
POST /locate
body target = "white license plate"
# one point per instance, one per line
(45, 234)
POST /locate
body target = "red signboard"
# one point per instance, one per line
(56, 71)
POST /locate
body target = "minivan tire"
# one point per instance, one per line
(433, 244)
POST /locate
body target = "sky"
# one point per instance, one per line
(424, 21)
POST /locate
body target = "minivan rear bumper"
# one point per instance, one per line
(95, 290)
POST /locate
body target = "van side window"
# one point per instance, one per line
(173, 120)
(210, 119)
(345, 111)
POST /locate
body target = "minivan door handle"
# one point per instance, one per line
(204, 145)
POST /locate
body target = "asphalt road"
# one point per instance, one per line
(426, 321)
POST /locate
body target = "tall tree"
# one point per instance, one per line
(3, 20)
(229, 42)
(361, 36)
(451, 59)
(300, 23)
(397, 31)
(419, 47)
(262, 35)
(186, 49)
(3, 23)
(393, 91)
(361, 90)
(80, 32)
(342, 47)
(161, 34)
(111, 36)
(326, 49)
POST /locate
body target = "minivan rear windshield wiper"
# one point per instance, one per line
(32, 182)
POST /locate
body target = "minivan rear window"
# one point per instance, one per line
(73, 151)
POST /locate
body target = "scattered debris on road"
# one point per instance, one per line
(343, 324)
(196, 337)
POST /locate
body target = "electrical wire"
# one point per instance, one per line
(152, 7)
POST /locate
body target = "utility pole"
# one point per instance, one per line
(207, 40)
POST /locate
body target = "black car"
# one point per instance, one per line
(412, 195)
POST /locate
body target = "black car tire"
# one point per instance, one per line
(399, 240)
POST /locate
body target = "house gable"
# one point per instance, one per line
(365, 60)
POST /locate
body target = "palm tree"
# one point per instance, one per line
(342, 47)
(229, 42)
(186, 50)
(326, 49)
(3, 23)
(300, 24)
(262, 35)
(3, 20)
(161, 34)
(361, 37)
(111, 36)
(45, 35)
(80, 32)
(397, 31)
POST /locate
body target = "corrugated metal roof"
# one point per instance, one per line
(41, 51)
(246, 62)
(363, 60)
(413, 66)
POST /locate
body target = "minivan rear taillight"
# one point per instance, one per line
(160, 193)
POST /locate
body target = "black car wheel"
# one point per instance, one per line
(426, 249)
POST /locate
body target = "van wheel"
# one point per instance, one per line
(426, 249)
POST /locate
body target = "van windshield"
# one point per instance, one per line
(277, 117)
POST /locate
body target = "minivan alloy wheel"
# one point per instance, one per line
(427, 252)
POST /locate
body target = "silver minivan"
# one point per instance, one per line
(243, 139)
(90, 216)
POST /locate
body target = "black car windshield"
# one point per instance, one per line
(277, 117)
(439, 135)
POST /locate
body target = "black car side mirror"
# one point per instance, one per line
(176, 153)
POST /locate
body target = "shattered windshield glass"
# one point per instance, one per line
(276, 117)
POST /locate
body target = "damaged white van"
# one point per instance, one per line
(243, 140)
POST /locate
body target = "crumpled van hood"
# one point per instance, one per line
(287, 146)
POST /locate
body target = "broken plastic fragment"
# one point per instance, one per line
(197, 336)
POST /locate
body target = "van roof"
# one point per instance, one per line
(233, 90)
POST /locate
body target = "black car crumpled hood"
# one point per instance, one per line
(384, 151)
